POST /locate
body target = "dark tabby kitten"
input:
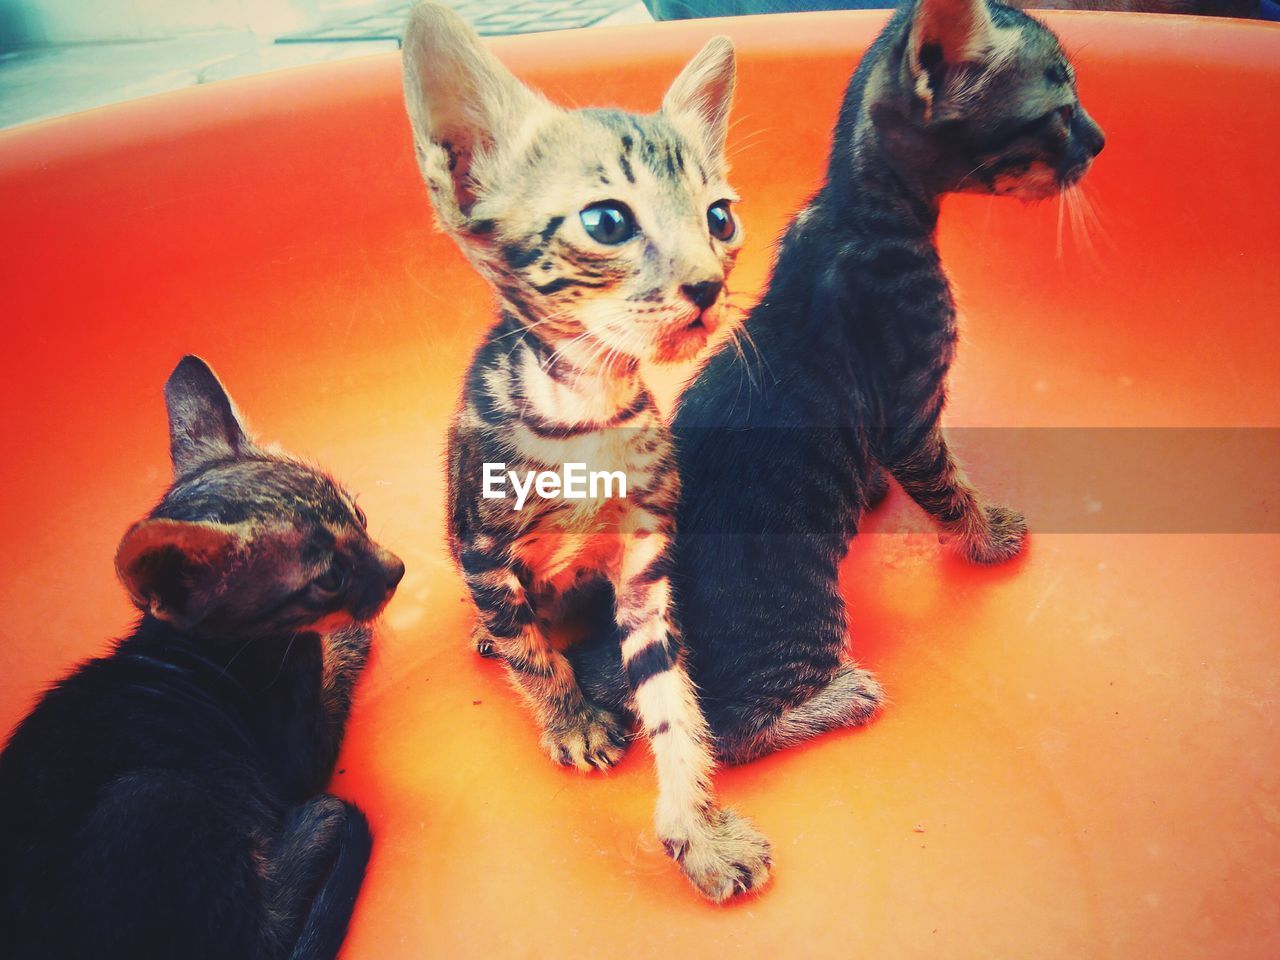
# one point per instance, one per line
(856, 332)
(164, 801)
(608, 237)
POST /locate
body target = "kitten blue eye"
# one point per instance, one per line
(720, 221)
(609, 222)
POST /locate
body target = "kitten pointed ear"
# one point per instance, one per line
(173, 569)
(203, 423)
(703, 93)
(463, 105)
(949, 39)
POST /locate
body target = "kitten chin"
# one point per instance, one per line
(684, 340)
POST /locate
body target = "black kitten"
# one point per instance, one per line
(855, 334)
(165, 800)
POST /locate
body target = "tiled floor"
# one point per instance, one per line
(51, 81)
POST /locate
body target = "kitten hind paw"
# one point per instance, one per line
(726, 857)
(594, 739)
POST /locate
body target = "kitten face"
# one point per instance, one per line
(996, 104)
(616, 229)
(1024, 127)
(248, 542)
(303, 558)
(610, 234)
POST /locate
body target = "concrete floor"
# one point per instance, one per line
(45, 82)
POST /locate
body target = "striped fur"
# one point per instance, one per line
(856, 334)
(557, 381)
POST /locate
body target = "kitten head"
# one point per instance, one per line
(985, 101)
(612, 228)
(248, 542)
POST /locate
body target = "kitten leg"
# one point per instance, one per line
(851, 699)
(344, 655)
(551, 607)
(313, 871)
(721, 853)
(575, 732)
(930, 475)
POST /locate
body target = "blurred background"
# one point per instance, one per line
(60, 56)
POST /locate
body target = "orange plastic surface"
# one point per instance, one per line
(1081, 755)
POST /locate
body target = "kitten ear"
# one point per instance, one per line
(203, 423)
(462, 103)
(703, 93)
(949, 39)
(173, 569)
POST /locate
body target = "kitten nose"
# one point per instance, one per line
(1090, 133)
(392, 568)
(395, 573)
(702, 294)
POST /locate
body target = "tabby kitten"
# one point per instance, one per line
(608, 237)
(165, 800)
(856, 332)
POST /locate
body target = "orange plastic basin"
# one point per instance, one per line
(1081, 756)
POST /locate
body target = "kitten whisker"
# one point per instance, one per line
(1080, 227)
(591, 364)
(984, 163)
(227, 666)
(284, 659)
(739, 330)
(743, 336)
(1089, 208)
(1062, 200)
(747, 141)
(745, 372)
(526, 327)
(550, 361)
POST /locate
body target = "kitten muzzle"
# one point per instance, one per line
(683, 338)
(378, 581)
(1087, 141)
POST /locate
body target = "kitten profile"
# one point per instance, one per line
(608, 237)
(164, 801)
(856, 333)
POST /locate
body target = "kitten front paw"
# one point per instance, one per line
(1001, 538)
(725, 857)
(858, 692)
(594, 739)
